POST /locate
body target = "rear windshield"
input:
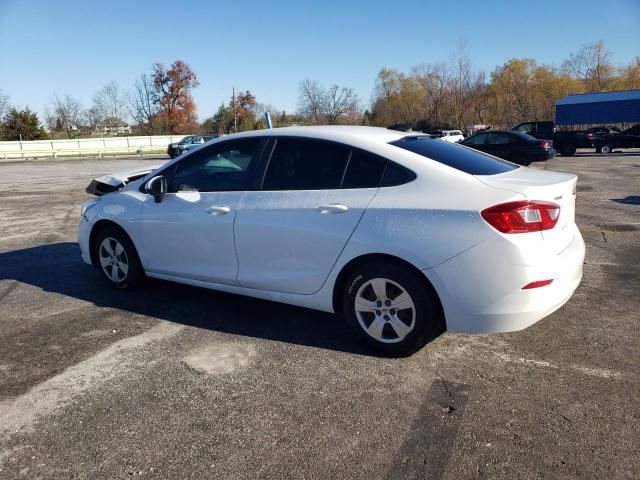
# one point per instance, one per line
(526, 136)
(456, 156)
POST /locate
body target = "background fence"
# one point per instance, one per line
(88, 146)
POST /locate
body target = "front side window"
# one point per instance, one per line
(304, 164)
(217, 168)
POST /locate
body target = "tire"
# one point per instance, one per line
(605, 149)
(370, 296)
(567, 150)
(117, 259)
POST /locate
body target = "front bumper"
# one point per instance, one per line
(84, 234)
(481, 289)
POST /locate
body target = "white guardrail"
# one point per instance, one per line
(88, 146)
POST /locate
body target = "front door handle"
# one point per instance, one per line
(332, 208)
(218, 210)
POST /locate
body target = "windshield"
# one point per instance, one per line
(455, 156)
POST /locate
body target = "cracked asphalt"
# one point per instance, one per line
(179, 382)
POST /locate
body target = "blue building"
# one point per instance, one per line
(604, 107)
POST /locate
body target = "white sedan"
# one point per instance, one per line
(403, 235)
(451, 136)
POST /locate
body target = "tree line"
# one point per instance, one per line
(457, 94)
(431, 95)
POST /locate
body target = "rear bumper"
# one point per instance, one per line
(481, 289)
(544, 155)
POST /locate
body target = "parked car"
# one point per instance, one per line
(402, 234)
(188, 143)
(516, 147)
(451, 136)
(614, 138)
(565, 142)
(633, 130)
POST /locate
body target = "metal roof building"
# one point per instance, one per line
(606, 107)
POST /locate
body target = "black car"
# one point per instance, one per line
(516, 147)
(187, 143)
(565, 142)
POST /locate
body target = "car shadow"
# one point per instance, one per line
(628, 200)
(58, 268)
(617, 153)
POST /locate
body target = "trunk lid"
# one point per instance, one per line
(534, 184)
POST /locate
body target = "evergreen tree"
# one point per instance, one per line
(23, 124)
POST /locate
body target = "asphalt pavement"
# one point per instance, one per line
(173, 381)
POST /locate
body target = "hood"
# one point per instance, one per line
(116, 181)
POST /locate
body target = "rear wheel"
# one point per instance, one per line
(605, 149)
(117, 259)
(391, 309)
(567, 150)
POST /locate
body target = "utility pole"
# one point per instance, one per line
(235, 116)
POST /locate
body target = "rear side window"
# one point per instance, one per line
(396, 175)
(455, 156)
(301, 164)
(477, 139)
(364, 170)
(498, 139)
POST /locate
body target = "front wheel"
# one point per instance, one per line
(392, 309)
(117, 259)
(605, 149)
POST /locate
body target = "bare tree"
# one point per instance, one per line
(435, 81)
(4, 108)
(68, 114)
(327, 105)
(259, 109)
(110, 104)
(310, 100)
(143, 106)
(592, 64)
(94, 116)
(4, 104)
(339, 103)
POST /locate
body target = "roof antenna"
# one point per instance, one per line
(401, 127)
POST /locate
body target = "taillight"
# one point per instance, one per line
(523, 216)
(546, 144)
(537, 284)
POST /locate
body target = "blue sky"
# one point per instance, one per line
(75, 47)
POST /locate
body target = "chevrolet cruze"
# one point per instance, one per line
(404, 235)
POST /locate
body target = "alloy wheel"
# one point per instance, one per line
(385, 310)
(113, 260)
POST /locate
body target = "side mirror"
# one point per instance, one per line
(157, 187)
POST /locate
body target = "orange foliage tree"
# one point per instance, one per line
(177, 113)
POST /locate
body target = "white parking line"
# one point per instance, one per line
(594, 372)
(52, 395)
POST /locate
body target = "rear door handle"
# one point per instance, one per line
(218, 210)
(332, 208)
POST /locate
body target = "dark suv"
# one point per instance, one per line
(188, 143)
(564, 142)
